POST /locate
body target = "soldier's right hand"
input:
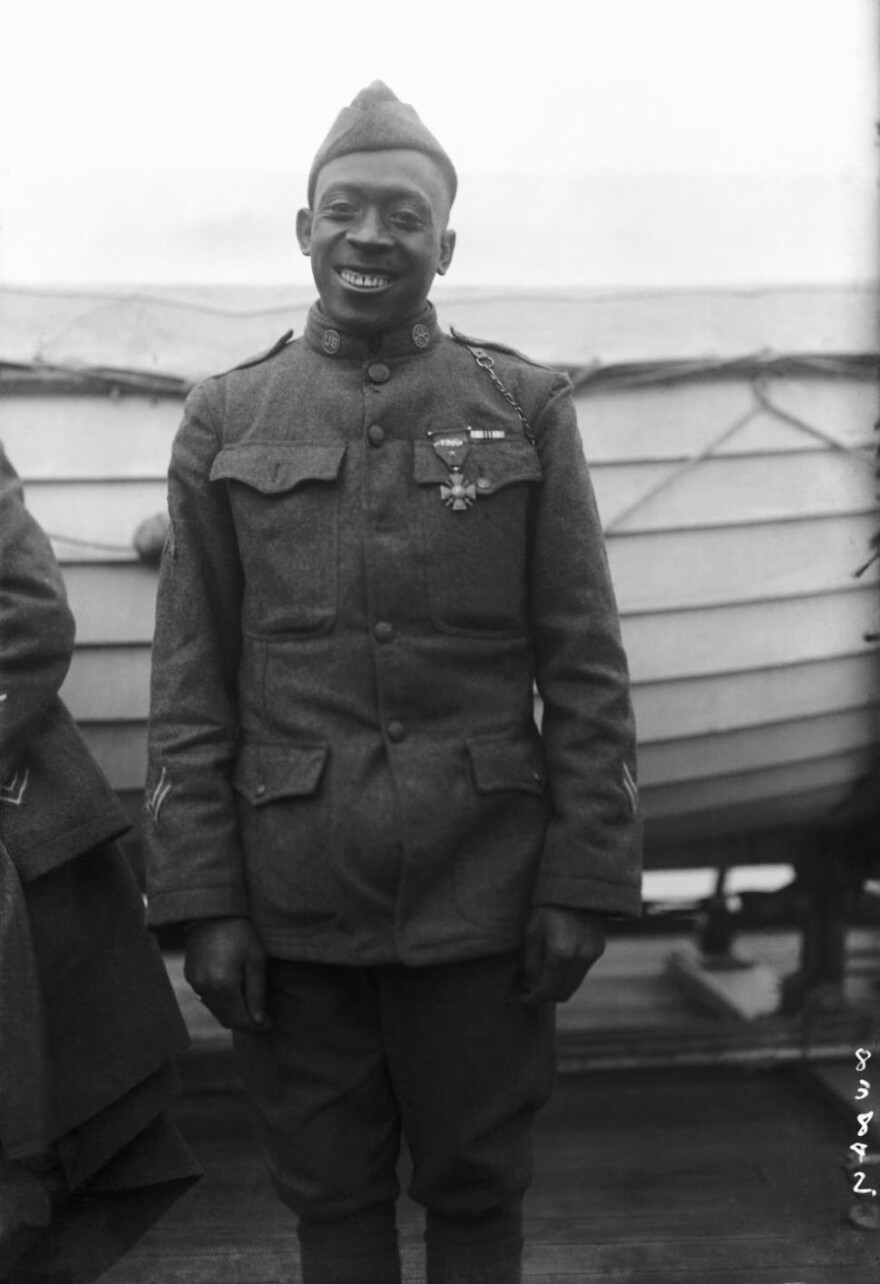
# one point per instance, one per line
(226, 966)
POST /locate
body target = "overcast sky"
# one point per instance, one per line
(640, 142)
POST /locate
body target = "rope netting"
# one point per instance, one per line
(759, 368)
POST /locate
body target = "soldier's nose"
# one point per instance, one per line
(371, 231)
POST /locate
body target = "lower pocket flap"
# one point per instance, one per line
(507, 764)
(265, 773)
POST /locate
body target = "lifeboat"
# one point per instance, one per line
(730, 436)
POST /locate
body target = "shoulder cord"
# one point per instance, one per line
(487, 363)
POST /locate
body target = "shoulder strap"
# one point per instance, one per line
(264, 356)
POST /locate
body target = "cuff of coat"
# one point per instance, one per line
(202, 903)
(588, 894)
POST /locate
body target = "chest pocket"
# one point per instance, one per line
(285, 502)
(476, 535)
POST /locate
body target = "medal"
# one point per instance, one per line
(453, 448)
(458, 494)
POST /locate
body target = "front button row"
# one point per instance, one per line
(396, 731)
(379, 372)
(376, 434)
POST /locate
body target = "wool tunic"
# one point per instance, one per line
(88, 1020)
(370, 566)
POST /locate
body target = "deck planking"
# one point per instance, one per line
(672, 1176)
(709, 1178)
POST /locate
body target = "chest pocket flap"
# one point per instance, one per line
(273, 468)
(493, 465)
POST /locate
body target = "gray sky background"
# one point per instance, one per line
(639, 143)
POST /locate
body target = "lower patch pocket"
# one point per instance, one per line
(282, 812)
(496, 866)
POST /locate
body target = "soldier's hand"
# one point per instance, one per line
(561, 945)
(226, 966)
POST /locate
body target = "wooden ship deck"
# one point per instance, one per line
(680, 1171)
(628, 1190)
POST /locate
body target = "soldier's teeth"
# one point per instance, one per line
(364, 282)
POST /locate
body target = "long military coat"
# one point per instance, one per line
(369, 567)
(54, 802)
(88, 1018)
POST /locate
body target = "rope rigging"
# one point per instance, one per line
(759, 367)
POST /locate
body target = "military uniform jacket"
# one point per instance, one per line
(349, 630)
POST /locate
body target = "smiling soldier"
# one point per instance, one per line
(382, 536)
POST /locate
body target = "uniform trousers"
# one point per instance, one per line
(446, 1054)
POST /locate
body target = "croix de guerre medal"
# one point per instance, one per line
(458, 494)
(453, 448)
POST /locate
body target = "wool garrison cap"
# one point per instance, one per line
(378, 121)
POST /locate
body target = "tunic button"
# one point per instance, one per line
(383, 631)
(396, 731)
(376, 434)
(260, 791)
(483, 483)
(379, 372)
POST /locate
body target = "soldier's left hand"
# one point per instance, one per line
(561, 945)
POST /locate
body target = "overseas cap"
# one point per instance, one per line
(378, 121)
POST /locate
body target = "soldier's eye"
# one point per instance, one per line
(409, 220)
(339, 210)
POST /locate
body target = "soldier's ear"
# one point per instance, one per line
(447, 249)
(304, 230)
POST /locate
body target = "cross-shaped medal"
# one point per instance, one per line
(458, 494)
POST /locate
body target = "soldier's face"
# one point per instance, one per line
(377, 236)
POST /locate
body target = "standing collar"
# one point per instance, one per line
(417, 335)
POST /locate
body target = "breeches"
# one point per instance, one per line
(447, 1054)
